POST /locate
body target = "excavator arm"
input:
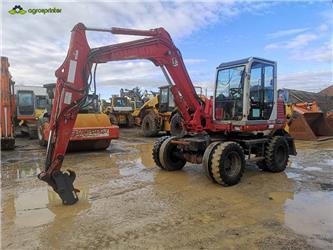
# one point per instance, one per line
(77, 75)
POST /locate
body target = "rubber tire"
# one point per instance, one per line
(168, 161)
(130, 121)
(113, 119)
(150, 126)
(40, 133)
(176, 126)
(8, 144)
(156, 150)
(272, 162)
(207, 160)
(219, 156)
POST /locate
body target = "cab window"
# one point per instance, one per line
(261, 91)
(229, 93)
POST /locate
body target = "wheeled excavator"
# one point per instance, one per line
(244, 119)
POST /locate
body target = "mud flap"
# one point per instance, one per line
(62, 184)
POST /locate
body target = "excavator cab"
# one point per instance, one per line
(165, 101)
(245, 91)
(25, 100)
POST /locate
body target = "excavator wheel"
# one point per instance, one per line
(150, 126)
(156, 150)
(168, 157)
(227, 163)
(7, 143)
(207, 160)
(176, 126)
(276, 155)
(113, 119)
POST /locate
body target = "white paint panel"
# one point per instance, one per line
(71, 72)
(68, 98)
(124, 109)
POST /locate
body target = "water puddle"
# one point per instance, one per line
(40, 206)
(310, 169)
(20, 170)
(311, 214)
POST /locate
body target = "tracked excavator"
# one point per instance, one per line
(245, 118)
(8, 105)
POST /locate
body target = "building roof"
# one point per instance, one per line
(328, 91)
(290, 96)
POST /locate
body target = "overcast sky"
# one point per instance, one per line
(298, 35)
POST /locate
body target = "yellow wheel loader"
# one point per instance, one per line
(155, 115)
(120, 111)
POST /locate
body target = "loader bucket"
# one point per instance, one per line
(313, 126)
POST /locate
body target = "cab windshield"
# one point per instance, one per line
(41, 102)
(121, 102)
(229, 93)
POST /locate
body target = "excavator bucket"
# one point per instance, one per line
(310, 124)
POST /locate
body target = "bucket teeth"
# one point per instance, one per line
(62, 184)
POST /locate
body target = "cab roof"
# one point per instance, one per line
(244, 61)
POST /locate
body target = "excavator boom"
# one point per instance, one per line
(76, 76)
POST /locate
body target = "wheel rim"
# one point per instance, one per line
(232, 164)
(171, 151)
(177, 126)
(280, 154)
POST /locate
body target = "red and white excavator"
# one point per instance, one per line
(244, 119)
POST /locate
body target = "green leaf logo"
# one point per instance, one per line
(17, 9)
(13, 12)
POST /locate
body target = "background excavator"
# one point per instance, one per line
(7, 107)
(31, 102)
(245, 118)
(92, 129)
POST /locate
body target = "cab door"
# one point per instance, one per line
(165, 100)
(261, 91)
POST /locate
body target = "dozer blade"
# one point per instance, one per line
(312, 126)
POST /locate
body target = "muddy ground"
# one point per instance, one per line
(126, 202)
